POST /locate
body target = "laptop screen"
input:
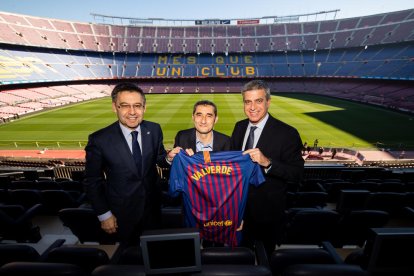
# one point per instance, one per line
(171, 251)
(389, 249)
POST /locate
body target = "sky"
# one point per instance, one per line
(80, 10)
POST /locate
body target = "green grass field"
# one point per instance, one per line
(336, 123)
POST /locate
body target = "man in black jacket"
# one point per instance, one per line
(121, 178)
(276, 147)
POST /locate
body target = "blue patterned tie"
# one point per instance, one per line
(250, 139)
(136, 151)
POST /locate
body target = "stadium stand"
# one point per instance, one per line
(49, 62)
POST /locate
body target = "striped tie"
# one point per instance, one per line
(250, 139)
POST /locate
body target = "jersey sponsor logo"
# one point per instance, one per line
(214, 223)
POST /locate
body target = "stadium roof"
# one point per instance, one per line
(118, 20)
(80, 10)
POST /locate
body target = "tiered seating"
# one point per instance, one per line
(219, 31)
(10, 98)
(88, 42)
(190, 46)
(63, 26)
(15, 110)
(205, 46)
(132, 38)
(72, 40)
(30, 95)
(205, 32)
(62, 34)
(31, 35)
(249, 45)
(9, 35)
(234, 45)
(38, 98)
(34, 106)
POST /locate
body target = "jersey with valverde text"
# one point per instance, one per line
(214, 187)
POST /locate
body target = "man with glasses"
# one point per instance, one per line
(121, 178)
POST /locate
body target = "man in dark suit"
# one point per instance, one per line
(276, 147)
(121, 178)
(202, 137)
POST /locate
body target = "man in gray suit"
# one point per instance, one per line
(121, 178)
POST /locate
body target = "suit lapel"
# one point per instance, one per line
(241, 133)
(193, 139)
(266, 132)
(146, 139)
(216, 141)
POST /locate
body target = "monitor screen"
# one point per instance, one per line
(389, 251)
(171, 251)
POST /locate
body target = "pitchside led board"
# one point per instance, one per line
(171, 251)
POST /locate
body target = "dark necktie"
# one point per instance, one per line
(250, 139)
(136, 151)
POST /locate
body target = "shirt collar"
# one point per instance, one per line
(200, 146)
(261, 124)
(127, 131)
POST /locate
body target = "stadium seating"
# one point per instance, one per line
(25, 253)
(324, 270)
(385, 252)
(41, 268)
(319, 225)
(228, 255)
(86, 258)
(283, 258)
(25, 197)
(353, 227)
(56, 62)
(56, 200)
(85, 225)
(16, 223)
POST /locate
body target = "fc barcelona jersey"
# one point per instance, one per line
(214, 186)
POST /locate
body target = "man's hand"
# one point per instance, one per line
(257, 156)
(172, 153)
(190, 152)
(240, 227)
(109, 225)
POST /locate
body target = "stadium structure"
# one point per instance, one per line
(341, 204)
(50, 62)
(367, 59)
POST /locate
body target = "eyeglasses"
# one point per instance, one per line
(126, 107)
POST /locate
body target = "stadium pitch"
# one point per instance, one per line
(334, 122)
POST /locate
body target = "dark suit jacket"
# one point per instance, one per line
(111, 179)
(281, 143)
(187, 139)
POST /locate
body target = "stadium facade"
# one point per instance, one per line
(50, 62)
(368, 59)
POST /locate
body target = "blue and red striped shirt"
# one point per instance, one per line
(214, 187)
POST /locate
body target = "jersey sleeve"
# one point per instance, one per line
(176, 176)
(256, 177)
